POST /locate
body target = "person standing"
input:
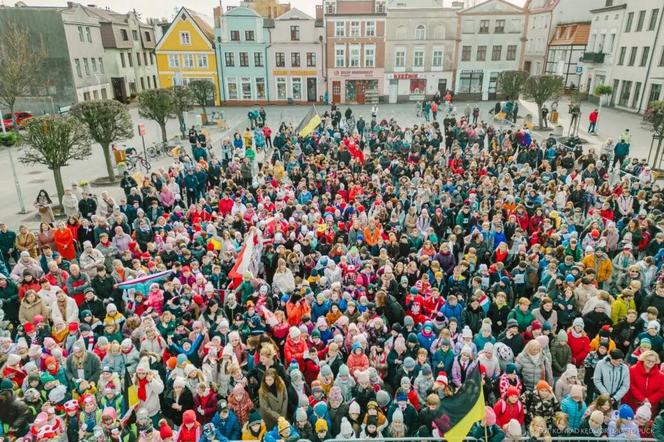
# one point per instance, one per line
(592, 120)
(545, 115)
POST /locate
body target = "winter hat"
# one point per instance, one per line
(514, 428)
(576, 391)
(408, 321)
(512, 391)
(356, 346)
(653, 324)
(644, 412)
(165, 431)
(488, 347)
(401, 397)
(409, 363)
(605, 331)
(625, 412)
(325, 370)
(382, 398)
(254, 418)
(282, 424)
(335, 394)
(578, 322)
(467, 332)
(489, 416)
(354, 407)
(426, 370)
(645, 342)
(6, 385)
(546, 326)
(511, 368)
(442, 378)
(343, 370)
(346, 429)
(562, 336)
(512, 323)
(320, 409)
(397, 416)
(300, 415)
(180, 381)
(543, 341)
(542, 385)
(362, 377)
(294, 332)
(466, 349)
(321, 426)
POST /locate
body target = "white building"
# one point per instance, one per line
(419, 48)
(490, 40)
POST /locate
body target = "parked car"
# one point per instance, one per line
(21, 119)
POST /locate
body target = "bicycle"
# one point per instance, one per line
(135, 161)
(158, 150)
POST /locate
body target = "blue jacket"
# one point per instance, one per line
(212, 438)
(273, 435)
(229, 427)
(426, 341)
(574, 410)
(452, 312)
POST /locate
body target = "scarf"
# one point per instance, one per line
(142, 390)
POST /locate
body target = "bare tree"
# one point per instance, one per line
(203, 90)
(21, 62)
(542, 88)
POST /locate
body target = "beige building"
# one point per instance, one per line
(419, 49)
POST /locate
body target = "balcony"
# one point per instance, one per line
(593, 57)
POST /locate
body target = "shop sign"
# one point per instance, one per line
(403, 76)
(351, 73)
(294, 72)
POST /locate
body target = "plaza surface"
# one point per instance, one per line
(33, 178)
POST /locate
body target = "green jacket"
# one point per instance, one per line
(524, 319)
(7, 241)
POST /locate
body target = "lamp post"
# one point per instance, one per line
(19, 194)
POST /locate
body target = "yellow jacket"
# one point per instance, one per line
(604, 269)
(246, 433)
(620, 307)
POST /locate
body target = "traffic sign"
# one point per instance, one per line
(141, 129)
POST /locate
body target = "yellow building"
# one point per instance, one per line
(186, 52)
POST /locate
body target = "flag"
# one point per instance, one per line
(143, 283)
(457, 413)
(248, 259)
(310, 122)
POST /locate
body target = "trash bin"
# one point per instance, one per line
(120, 156)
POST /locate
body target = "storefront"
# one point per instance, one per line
(413, 86)
(355, 85)
(297, 85)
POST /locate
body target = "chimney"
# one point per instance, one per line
(319, 12)
(70, 4)
(217, 13)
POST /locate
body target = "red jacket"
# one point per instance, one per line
(593, 117)
(295, 350)
(505, 412)
(580, 348)
(644, 385)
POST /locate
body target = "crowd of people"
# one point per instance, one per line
(342, 285)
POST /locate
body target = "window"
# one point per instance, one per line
(637, 94)
(80, 33)
(339, 29)
(77, 62)
(258, 59)
(185, 38)
(104, 95)
(640, 20)
(355, 29)
(148, 37)
(470, 82)
(340, 57)
(369, 56)
(437, 58)
(484, 26)
(148, 81)
(661, 58)
(122, 60)
(249, 36)
(101, 65)
(281, 88)
(621, 58)
(229, 59)
(123, 33)
(370, 28)
(655, 90)
(297, 88)
(145, 58)
(624, 93)
(632, 55)
(246, 88)
(95, 95)
(511, 52)
(260, 88)
(142, 84)
(202, 61)
(134, 34)
(311, 59)
(500, 27)
(420, 32)
(418, 58)
(86, 66)
(481, 53)
(496, 52)
(151, 59)
(295, 33)
(295, 59)
(612, 40)
(88, 34)
(628, 25)
(231, 83)
(400, 58)
(235, 35)
(644, 55)
(653, 19)
(465, 53)
(138, 58)
(280, 59)
(354, 59)
(86, 96)
(154, 81)
(188, 61)
(94, 65)
(244, 59)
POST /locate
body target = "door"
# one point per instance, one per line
(119, 91)
(360, 87)
(312, 93)
(394, 91)
(527, 66)
(442, 86)
(493, 81)
(336, 92)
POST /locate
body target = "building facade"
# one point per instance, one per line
(186, 52)
(267, 8)
(355, 52)
(419, 49)
(638, 73)
(565, 53)
(74, 68)
(128, 52)
(295, 59)
(490, 39)
(242, 41)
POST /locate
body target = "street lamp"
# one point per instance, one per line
(19, 194)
